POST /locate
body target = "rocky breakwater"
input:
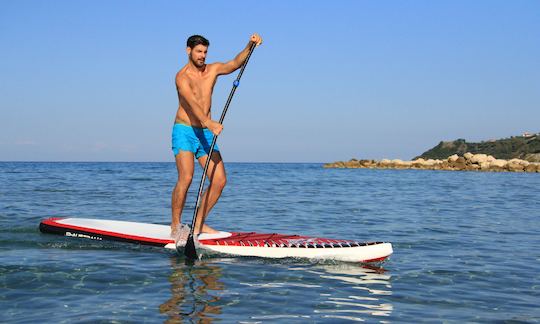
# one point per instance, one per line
(467, 162)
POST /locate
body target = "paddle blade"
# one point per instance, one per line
(190, 251)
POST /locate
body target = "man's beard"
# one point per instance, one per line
(197, 63)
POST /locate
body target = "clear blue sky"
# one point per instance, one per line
(94, 80)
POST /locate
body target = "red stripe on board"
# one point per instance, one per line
(53, 222)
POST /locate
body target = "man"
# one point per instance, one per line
(194, 129)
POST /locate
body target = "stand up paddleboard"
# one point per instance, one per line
(235, 244)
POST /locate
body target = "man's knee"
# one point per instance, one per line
(219, 182)
(184, 180)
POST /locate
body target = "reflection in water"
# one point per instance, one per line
(282, 291)
(191, 292)
(372, 283)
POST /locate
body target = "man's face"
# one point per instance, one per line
(197, 55)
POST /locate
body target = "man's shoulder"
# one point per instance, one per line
(181, 75)
(181, 72)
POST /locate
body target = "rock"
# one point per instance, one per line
(331, 165)
(458, 164)
(520, 162)
(471, 162)
(367, 163)
(472, 167)
(478, 158)
(437, 166)
(514, 165)
(453, 158)
(418, 163)
(407, 163)
(485, 165)
(399, 164)
(499, 163)
(385, 163)
(352, 164)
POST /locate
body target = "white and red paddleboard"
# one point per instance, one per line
(236, 244)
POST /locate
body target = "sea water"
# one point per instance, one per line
(466, 246)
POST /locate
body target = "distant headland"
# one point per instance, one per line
(514, 154)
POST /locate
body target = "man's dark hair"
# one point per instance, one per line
(195, 40)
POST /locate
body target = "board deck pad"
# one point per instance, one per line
(271, 245)
(280, 240)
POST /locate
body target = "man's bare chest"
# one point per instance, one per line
(202, 86)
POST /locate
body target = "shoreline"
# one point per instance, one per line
(467, 162)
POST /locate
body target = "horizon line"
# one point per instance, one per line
(28, 161)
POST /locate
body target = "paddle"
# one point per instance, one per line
(190, 250)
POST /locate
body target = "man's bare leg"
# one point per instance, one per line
(217, 177)
(184, 165)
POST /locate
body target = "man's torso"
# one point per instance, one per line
(202, 86)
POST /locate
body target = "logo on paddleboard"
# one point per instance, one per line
(84, 236)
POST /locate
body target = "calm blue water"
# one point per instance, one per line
(466, 246)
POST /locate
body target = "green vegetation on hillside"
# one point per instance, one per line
(520, 147)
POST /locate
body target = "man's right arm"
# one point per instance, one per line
(195, 108)
(236, 63)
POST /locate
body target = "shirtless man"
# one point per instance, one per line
(194, 129)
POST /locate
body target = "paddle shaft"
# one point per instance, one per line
(190, 250)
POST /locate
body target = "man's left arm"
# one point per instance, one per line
(236, 63)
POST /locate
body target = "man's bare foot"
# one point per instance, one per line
(208, 230)
(179, 232)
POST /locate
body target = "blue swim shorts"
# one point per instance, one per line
(192, 139)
